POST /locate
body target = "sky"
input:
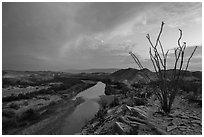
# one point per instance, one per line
(61, 36)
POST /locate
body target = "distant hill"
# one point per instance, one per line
(105, 70)
(131, 75)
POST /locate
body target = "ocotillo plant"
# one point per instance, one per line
(168, 87)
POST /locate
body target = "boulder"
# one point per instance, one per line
(122, 128)
(139, 111)
(170, 128)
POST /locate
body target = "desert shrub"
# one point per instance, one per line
(101, 113)
(8, 113)
(103, 103)
(137, 85)
(166, 92)
(28, 95)
(115, 102)
(25, 103)
(68, 82)
(106, 81)
(116, 88)
(192, 98)
(58, 87)
(9, 98)
(190, 86)
(29, 115)
(109, 90)
(14, 106)
(139, 101)
(8, 123)
(52, 103)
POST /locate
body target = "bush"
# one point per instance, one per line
(52, 103)
(8, 113)
(8, 123)
(109, 90)
(137, 85)
(101, 113)
(166, 92)
(139, 101)
(190, 86)
(14, 106)
(29, 115)
(115, 102)
(192, 98)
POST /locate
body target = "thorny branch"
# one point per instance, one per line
(166, 92)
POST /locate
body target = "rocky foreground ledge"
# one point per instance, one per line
(122, 119)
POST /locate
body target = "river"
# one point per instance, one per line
(85, 111)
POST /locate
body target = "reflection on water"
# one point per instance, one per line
(93, 92)
(84, 111)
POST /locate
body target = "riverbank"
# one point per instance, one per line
(53, 125)
(35, 117)
(69, 117)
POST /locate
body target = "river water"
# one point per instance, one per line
(85, 111)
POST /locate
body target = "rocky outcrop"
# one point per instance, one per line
(128, 118)
(123, 120)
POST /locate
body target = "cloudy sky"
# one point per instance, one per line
(60, 36)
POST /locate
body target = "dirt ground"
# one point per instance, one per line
(184, 119)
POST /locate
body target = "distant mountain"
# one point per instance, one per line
(132, 75)
(105, 70)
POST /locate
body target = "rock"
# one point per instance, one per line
(122, 129)
(195, 125)
(185, 121)
(139, 111)
(170, 124)
(130, 120)
(176, 113)
(95, 123)
(168, 118)
(185, 117)
(109, 118)
(119, 110)
(110, 111)
(182, 128)
(169, 128)
(43, 112)
(135, 122)
(196, 121)
(195, 117)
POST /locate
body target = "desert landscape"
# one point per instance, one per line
(102, 68)
(32, 99)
